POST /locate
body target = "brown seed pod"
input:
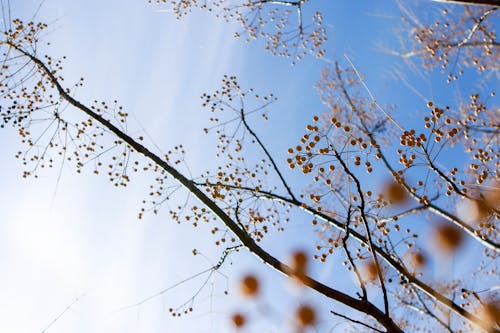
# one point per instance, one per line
(305, 316)
(448, 237)
(238, 320)
(249, 286)
(395, 193)
(417, 260)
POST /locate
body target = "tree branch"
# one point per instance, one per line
(435, 209)
(349, 257)
(451, 183)
(367, 228)
(494, 3)
(388, 258)
(266, 152)
(360, 305)
(355, 321)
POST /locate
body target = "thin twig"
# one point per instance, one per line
(356, 321)
(367, 228)
(261, 145)
(334, 294)
(66, 309)
(212, 269)
(371, 95)
(349, 257)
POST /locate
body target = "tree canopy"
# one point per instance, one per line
(401, 203)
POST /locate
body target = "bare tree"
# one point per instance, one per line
(357, 220)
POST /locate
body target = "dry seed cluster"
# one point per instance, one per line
(448, 44)
(270, 21)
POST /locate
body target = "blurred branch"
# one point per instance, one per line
(494, 3)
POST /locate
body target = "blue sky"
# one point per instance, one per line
(78, 237)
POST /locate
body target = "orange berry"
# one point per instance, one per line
(250, 286)
(305, 316)
(395, 193)
(238, 320)
(448, 237)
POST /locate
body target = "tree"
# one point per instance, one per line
(368, 227)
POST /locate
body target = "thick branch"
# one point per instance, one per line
(494, 3)
(392, 262)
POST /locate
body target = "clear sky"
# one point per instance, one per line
(72, 245)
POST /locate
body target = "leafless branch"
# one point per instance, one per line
(349, 257)
(494, 3)
(66, 309)
(355, 321)
(266, 152)
(433, 208)
(360, 305)
(388, 258)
